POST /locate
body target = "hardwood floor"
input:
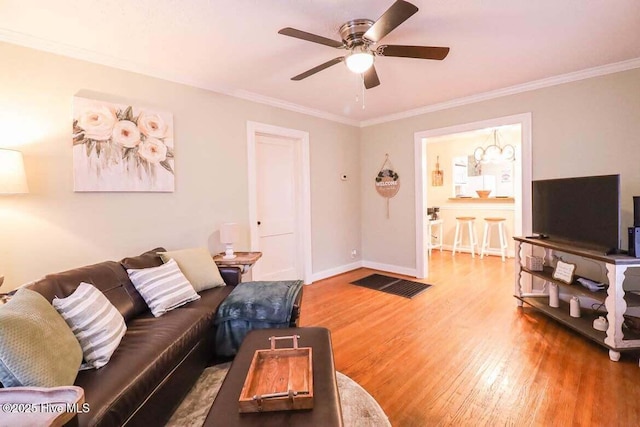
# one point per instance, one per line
(463, 353)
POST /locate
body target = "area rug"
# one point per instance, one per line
(359, 409)
(392, 285)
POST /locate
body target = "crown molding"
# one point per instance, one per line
(602, 70)
(110, 61)
(90, 56)
(37, 43)
(274, 102)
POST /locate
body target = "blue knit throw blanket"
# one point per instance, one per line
(253, 305)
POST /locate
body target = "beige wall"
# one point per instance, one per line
(581, 128)
(53, 229)
(588, 127)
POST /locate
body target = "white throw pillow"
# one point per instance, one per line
(96, 323)
(163, 288)
(198, 267)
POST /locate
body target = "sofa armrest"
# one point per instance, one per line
(231, 275)
(40, 405)
(297, 309)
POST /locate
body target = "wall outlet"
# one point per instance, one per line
(354, 253)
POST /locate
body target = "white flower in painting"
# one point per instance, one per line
(126, 133)
(152, 150)
(97, 122)
(152, 125)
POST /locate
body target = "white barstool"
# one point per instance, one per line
(489, 223)
(437, 237)
(470, 223)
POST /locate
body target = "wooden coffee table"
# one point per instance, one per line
(326, 411)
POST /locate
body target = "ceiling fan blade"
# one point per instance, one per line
(371, 78)
(399, 12)
(292, 32)
(422, 52)
(320, 67)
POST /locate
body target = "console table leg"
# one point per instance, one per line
(519, 302)
(614, 355)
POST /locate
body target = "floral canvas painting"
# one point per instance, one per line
(121, 147)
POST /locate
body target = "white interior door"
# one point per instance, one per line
(277, 208)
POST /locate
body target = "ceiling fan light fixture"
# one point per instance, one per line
(359, 60)
(360, 38)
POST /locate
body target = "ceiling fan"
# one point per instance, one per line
(361, 36)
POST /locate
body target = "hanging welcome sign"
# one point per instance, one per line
(387, 181)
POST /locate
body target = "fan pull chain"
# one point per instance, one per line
(361, 83)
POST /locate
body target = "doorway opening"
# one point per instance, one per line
(521, 178)
(279, 202)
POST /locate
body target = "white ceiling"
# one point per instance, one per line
(232, 46)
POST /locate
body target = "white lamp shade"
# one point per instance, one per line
(229, 232)
(359, 60)
(12, 177)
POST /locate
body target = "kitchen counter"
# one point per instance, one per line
(479, 200)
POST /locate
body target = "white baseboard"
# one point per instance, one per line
(320, 275)
(336, 270)
(390, 268)
(496, 252)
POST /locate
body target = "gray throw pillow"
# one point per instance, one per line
(96, 323)
(37, 348)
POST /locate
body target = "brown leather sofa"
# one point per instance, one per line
(158, 360)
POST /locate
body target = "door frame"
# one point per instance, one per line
(522, 193)
(303, 170)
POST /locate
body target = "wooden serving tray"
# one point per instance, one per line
(279, 379)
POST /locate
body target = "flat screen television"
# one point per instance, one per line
(581, 210)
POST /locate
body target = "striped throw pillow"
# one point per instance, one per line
(96, 323)
(163, 288)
